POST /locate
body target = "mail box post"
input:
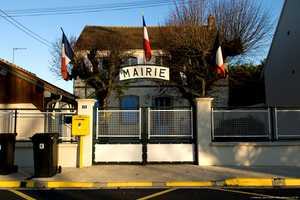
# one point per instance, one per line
(80, 127)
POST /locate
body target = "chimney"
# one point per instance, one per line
(211, 21)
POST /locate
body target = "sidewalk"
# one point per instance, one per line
(157, 175)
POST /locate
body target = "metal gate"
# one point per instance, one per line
(147, 134)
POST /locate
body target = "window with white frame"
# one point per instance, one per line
(132, 102)
(130, 61)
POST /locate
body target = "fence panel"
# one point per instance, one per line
(287, 123)
(118, 123)
(6, 122)
(29, 123)
(241, 123)
(170, 123)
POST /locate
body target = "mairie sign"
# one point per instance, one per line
(144, 71)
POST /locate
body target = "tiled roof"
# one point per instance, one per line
(134, 34)
(15, 66)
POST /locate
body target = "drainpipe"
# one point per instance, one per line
(52, 102)
(47, 106)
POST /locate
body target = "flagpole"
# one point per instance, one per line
(145, 63)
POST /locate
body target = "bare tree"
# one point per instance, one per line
(187, 36)
(55, 62)
(106, 53)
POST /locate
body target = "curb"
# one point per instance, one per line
(227, 182)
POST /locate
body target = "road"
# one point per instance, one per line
(154, 194)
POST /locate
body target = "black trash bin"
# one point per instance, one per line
(45, 154)
(7, 153)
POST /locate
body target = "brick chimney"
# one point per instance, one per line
(211, 21)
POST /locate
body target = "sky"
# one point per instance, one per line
(33, 54)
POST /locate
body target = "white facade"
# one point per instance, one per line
(146, 91)
(282, 69)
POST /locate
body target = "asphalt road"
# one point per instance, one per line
(154, 194)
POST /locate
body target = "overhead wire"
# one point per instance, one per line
(28, 32)
(85, 9)
(8, 15)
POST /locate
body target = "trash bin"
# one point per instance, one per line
(45, 154)
(7, 153)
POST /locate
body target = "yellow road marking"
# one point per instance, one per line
(250, 181)
(250, 193)
(10, 183)
(56, 184)
(22, 195)
(172, 184)
(128, 184)
(292, 181)
(16, 183)
(157, 194)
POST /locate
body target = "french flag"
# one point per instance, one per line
(147, 48)
(67, 56)
(217, 53)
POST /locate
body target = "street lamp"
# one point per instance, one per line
(14, 52)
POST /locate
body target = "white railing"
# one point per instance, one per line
(118, 123)
(241, 123)
(287, 123)
(6, 121)
(29, 123)
(170, 123)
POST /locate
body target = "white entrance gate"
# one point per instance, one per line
(141, 135)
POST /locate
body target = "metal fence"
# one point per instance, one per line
(118, 123)
(241, 123)
(287, 123)
(170, 123)
(130, 123)
(28, 122)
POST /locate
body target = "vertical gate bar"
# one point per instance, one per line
(140, 123)
(97, 123)
(192, 126)
(144, 136)
(269, 121)
(212, 124)
(276, 125)
(15, 127)
(149, 123)
(11, 119)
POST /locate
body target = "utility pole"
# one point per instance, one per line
(14, 52)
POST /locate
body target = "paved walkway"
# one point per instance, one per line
(158, 175)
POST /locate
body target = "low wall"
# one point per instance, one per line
(282, 153)
(252, 153)
(67, 154)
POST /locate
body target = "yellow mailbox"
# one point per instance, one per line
(80, 125)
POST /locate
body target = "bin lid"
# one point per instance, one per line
(8, 134)
(37, 135)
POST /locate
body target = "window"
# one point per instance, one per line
(101, 67)
(160, 60)
(163, 118)
(130, 61)
(162, 102)
(129, 117)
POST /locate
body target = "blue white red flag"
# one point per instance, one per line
(147, 48)
(67, 56)
(217, 53)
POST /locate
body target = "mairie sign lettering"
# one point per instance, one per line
(144, 71)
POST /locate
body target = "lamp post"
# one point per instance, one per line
(14, 53)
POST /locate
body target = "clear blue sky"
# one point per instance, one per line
(36, 57)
